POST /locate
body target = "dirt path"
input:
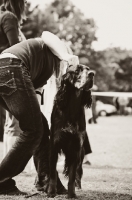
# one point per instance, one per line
(110, 175)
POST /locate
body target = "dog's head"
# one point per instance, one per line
(80, 76)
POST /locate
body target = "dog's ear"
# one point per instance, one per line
(87, 99)
(61, 95)
(64, 79)
(67, 78)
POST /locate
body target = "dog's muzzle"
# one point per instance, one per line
(84, 77)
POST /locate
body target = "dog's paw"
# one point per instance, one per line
(51, 195)
(51, 192)
(71, 196)
(78, 184)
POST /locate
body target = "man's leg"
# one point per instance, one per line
(17, 92)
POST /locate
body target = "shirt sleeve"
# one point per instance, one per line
(10, 28)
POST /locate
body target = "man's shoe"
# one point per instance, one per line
(13, 191)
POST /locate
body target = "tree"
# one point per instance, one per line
(113, 69)
(62, 18)
(74, 27)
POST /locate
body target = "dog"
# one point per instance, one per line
(68, 126)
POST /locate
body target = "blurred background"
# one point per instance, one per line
(100, 33)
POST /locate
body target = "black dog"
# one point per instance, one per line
(68, 127)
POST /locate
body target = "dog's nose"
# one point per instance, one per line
(91, 73)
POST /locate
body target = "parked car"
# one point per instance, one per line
(104, 109)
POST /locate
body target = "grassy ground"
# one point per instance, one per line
(109, 177)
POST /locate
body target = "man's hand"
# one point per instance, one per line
(71, 59)
(72, 62)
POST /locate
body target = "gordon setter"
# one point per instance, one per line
(68, 126)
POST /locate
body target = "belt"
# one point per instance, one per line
(10, 61)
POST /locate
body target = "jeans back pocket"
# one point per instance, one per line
(7, 82)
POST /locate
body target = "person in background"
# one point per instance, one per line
(12, 14)
(116, 103)
(90, 116)
(94, 113)
(123, 102)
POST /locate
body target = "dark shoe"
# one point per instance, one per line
(90, 121)
(12, 191)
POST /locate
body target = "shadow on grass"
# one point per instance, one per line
(81, 195)
(94, 195)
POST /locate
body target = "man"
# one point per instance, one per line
(25, 67)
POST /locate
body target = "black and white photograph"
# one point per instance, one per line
(66, 99)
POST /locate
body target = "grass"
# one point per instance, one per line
(109, 177)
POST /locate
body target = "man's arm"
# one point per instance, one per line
(58, 48)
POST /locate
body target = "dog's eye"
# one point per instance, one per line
(80, 69)
(77, 71)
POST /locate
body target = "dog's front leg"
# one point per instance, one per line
(53, 174)
(79, 176)
(79, 170)
(71, 183)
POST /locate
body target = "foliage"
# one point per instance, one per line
(113, 69)
(62, 18)
(74, 27)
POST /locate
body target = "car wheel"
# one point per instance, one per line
(103, 113)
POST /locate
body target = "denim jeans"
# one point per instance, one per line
(18, 96)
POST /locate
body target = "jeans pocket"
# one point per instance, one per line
(7, 83)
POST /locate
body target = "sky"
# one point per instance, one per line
(113, 19)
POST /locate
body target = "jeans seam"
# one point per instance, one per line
(27, 93)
